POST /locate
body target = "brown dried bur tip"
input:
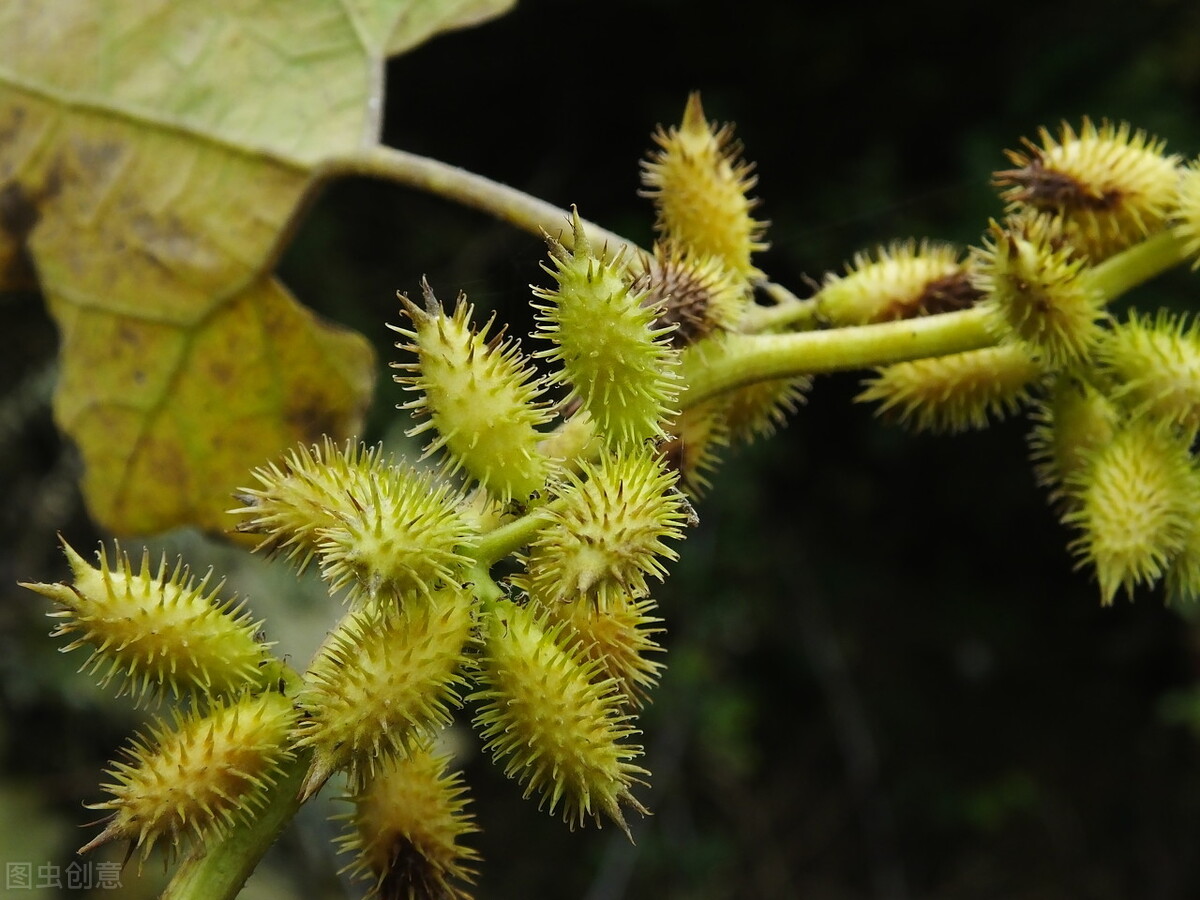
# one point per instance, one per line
(694, 295)
(1112, 186)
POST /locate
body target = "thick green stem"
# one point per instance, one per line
(749, 358)
(508, 538)
(1137, 265)
(468, 189)
(789, 311)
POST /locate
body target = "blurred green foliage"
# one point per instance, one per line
(885, 680)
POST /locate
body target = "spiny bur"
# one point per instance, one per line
(957, 392)
(615, 357)
(1071, 424)
(159, 631)
(700, 185)
(384, 681)
(697, 437)
(900, 281)
(559, 728)
(619, 639)
(1183, 575)
(1186, 215)
(405, 536)
(758, 410)
(1110, 186)
(605, 534)
(695, 296)
(1154, 364)
(378, 529)
(205, 774)
(1134, 504)
(481, 396)
(746, 413)
(1041, 295)
(406, 828)
(309, 491)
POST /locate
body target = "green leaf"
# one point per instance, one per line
(154, 156)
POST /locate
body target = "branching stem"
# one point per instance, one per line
(747, 359)
(469, 189)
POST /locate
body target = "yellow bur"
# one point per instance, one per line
(957, 392)
(158, 632)
(1071, 425)
(1154, 364)
(383, 682)
(199, 778)
(378, 529)
(619, 638)
(901, 281)
(699, 185)
(1107, 187)
(405, 829)
(605, 535)
(560, 729)
(615, 356)
(1134, 503)
(481, 396)
(1039, 293)
(308, 491)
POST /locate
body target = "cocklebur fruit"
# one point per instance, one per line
(378, 529)
(1134, 503)
(697, 437)
(1071, 424)
(158, 631)
(695, 296)
(1186, 213)
(700, 184)
(1183, 574)
(1041, 295)
(1110, 186)
(384, 681)
(296, 499)
(619, 638)
(481, 396)
(559, 729)
(605, 533)
(1154, 366)
(758, 410)
(200, 777)
(956, 392)
(748, 412)
(614, 356)
(903, 280)
(406, 828)
(404, 535)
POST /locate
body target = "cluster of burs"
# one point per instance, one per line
(570, 463)
(574, 464)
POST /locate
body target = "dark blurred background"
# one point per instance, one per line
(885, 679)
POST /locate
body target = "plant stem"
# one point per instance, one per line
(469, 189)
(788, 311)
(500, 542)
(1138, 264)
(744, 359)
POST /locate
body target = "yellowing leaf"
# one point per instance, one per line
(153, 157)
